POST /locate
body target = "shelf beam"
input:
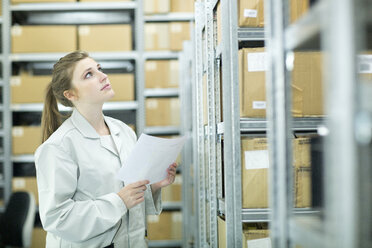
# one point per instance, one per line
(73, 6)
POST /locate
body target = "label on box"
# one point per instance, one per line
(259, 243)
(15, 81)
(176, 217)
(365, 64)
(19, 183)
(258, 159)
(153, 218)
(257, 61)
(250, 13)
(151, 66)
(176, 28)
(259, 105)
(84, 30)
(178, 180)
(17, 131)
(152, 104)
(16, 30)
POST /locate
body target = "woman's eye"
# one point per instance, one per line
(88, 75)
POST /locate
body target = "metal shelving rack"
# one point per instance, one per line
(342, 31)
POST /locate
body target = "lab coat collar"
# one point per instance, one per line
(86, 128)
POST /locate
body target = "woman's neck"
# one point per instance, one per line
(95, 118)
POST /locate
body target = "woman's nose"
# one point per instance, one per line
(103, 76)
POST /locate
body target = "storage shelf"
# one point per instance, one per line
(168, 92)
(1, 107)
(260, 125)
(251, 34)
(162, 130)
(218, 51)
(73, 6)
(161, 55)
(214, 3)
(170, 17)
(305, 33)
(26, 158)
(307, 231)
(1, 19)
(172, 205)
(1, 82)
(165, 243)
(2, 132)
(31, 57)
(108, 106)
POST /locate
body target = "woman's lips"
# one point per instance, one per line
(107, 86)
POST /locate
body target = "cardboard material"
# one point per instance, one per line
(252, 85)
(159, 227)
(307, 75)
(173, 192)
(123, 85)
(162, 112)
(38, 237)
(221, 225)
(26, 139)
(182, 6)
(156, 6)
(254, 180)
(298, 8)
(179, 31)
(302, 187)
(157, 36)
(104, 38)
(258, 234)
(27, 88)
(251, 13)
(301, 152)
(161, 74)
(176, 233)
(26, 184)
(43, 39)
(219, 23)
(40, 1)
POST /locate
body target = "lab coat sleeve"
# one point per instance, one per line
(75, 221)
(153, 202)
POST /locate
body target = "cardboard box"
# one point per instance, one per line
(256, 238)
(301, 152)
(221, 225)
(307, 75)
(219, 23)
(302, 187)
(176, 233)
(298, 8)
(123, 85)
(43, 39)
(40, 1)
(159, 227)
(173, 192)
(26, 184)
(27, 88)
(251, 13)
(26, 139)
(179, 32)
(161, 74)
(104, 38)
(162, 112)
(252, 70)
(156, 6)
(157, 36)
(185, 6)
(255, 164)
(38, 237)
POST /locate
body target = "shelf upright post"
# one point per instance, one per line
(231, 117)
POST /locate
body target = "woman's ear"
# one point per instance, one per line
(70, 95)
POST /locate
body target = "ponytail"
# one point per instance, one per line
(51, 118)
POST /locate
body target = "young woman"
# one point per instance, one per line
(82, 203)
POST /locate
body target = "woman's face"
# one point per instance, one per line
(90, 84)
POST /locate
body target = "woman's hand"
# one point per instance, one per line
(133, 194)
(167, 181)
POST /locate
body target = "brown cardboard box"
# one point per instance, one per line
(26, 184)
(221, 225)
(161, 73)
(182, 6)
(123, 85)
(179, 31)
(173, 192)
(40, 1)
(252, 67)
(219, 23)
(159, 227)
(103, 38)
(26, 139)
(157, 36)
(255, 163)
(307, 75)
(302, 187)
(256, 238)
(176, 233)
(156, 6)
(251, 13)
(301, 152)
(38, 237)
(162, 112)
(43, 39)
(27, 88)
(298, 8)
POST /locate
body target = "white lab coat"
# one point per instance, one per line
(77, 184)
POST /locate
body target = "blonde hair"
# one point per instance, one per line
(51, 118)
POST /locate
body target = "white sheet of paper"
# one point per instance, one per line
(150, 158)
